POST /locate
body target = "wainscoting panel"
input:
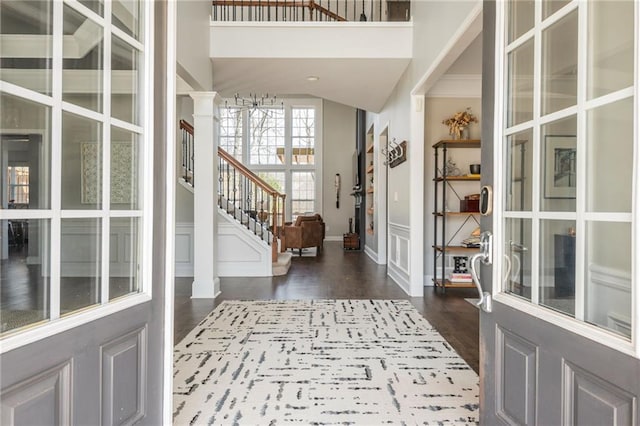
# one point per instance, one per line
(399, 266)
(240, 253)
(184, 250)
(590, 400)
(516, 393)
(39, 399)
(124, 369)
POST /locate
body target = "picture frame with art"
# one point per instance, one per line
(559, 169)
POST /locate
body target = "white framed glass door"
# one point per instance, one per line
(560, 344)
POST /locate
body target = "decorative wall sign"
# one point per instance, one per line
(124, 182)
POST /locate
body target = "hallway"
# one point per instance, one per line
(338, 274)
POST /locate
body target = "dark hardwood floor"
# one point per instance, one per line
(337, 274)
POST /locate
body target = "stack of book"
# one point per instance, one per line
(460, 277)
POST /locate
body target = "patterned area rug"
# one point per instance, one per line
(366, 362)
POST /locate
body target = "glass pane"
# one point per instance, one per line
(82, 159)
(610, 47)
(24, 272)
(519, 164)
(303, 187)
(124, 81)
(94, 5)
(124, 266)
(231, 131)
(608, 276)
(80, 263)
(26, 156)
(560, 64)
(558, 265)
(303, 135)
(521, 14)
(558, 163)
(82, 63)
(266, 136)
(126, 16)
(26, 54)
(520, 80)
(610, 157)
(517, 258)
(275, 179)
(549, 7)
(126, 175)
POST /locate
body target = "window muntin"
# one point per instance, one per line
(90, 252)
(580, 229)
(18, 186)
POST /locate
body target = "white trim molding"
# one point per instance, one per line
(399, 256)
(372, 254)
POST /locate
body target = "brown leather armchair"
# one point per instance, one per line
(308, 231)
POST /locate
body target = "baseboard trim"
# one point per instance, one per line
(372, 254)
(333, 238)
(399, 277)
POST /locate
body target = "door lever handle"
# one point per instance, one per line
(485, 257)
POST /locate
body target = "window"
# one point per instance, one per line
(75, 159)
(568, 237)
(281, 146)
(18, 186)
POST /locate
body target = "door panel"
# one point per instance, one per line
(563, 238)
(108, 370)
(518, 362)
(41, 399)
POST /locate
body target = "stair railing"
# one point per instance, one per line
(186, 131)
(298, 10)
(241, 193)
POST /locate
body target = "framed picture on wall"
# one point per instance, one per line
(559, 166)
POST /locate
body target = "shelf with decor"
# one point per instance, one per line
(370, 159)
(448, 181)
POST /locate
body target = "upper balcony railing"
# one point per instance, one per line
(310, 10)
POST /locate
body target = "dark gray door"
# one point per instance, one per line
(92, 324)
(561, 343)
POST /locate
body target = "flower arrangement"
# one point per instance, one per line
(459, 122)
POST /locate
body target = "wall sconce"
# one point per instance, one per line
(395, 153)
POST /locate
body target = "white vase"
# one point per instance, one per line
(465, 133)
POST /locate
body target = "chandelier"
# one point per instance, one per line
(254, 102)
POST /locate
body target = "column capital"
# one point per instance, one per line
(205, 103)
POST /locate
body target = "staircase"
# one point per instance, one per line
(251, 213)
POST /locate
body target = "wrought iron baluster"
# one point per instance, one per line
(235, 190)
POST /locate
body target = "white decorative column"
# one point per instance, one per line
(206, 283)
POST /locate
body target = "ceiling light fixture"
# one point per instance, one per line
(253, 101)
(313, 78)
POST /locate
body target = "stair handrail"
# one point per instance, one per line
(278, 210)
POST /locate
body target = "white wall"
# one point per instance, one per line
(339, 133)
(436, 25)
(193, 23)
